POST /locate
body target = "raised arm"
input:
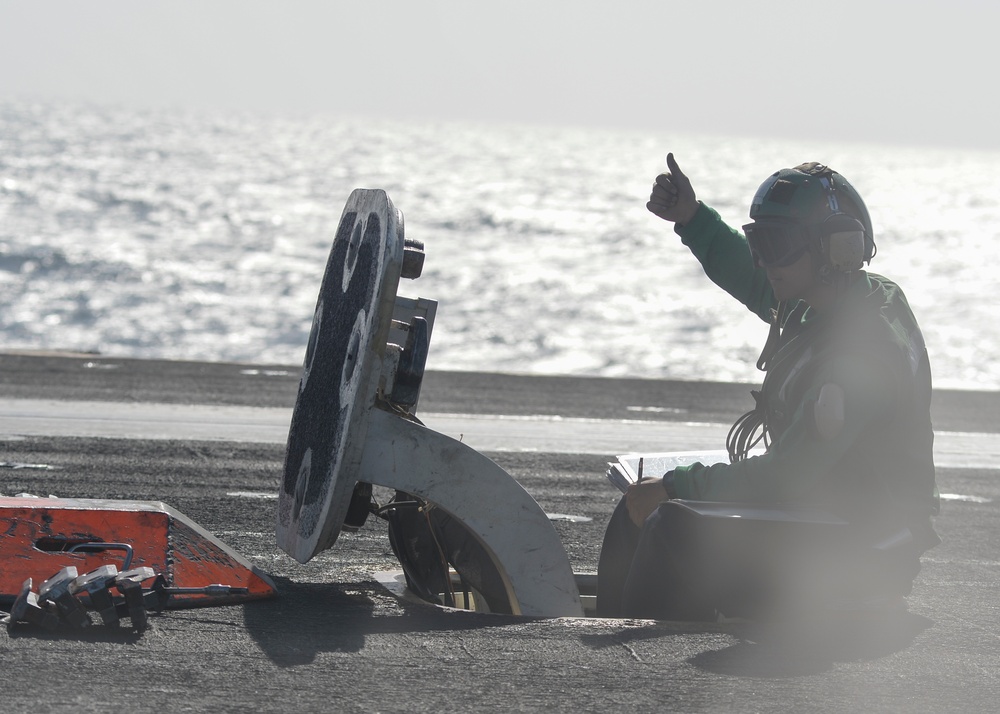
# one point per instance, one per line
(721, 249)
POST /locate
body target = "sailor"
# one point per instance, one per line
(841, 424)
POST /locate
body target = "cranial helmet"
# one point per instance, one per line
(816, 201)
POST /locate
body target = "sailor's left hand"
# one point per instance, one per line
(642, 498)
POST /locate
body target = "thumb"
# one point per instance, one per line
(675, 170)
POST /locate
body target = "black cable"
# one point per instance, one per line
(748, 431)
(773, 336)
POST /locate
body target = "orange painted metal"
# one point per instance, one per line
(37, 533)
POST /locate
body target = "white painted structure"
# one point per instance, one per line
(353, 423)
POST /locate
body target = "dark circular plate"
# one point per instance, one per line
(340, 374)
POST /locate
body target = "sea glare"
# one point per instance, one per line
(203, 236)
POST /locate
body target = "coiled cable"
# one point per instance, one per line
(748, 431)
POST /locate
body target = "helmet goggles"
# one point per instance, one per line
(775, 244)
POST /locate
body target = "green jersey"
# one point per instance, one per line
(876, 468)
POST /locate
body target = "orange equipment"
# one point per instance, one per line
(40, 536)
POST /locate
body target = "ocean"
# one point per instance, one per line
(203, 236)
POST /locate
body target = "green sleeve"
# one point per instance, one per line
(723, 253)
(794, 465)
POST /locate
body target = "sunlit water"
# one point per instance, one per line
(204, 236)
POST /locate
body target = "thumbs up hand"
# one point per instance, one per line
(673, 198)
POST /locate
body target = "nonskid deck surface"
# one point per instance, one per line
(334, 636)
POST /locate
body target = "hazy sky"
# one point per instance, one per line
(873, 70)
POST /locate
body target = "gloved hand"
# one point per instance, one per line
(673, 197)
(642, 498)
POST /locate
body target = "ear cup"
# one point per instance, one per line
(843, 240)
